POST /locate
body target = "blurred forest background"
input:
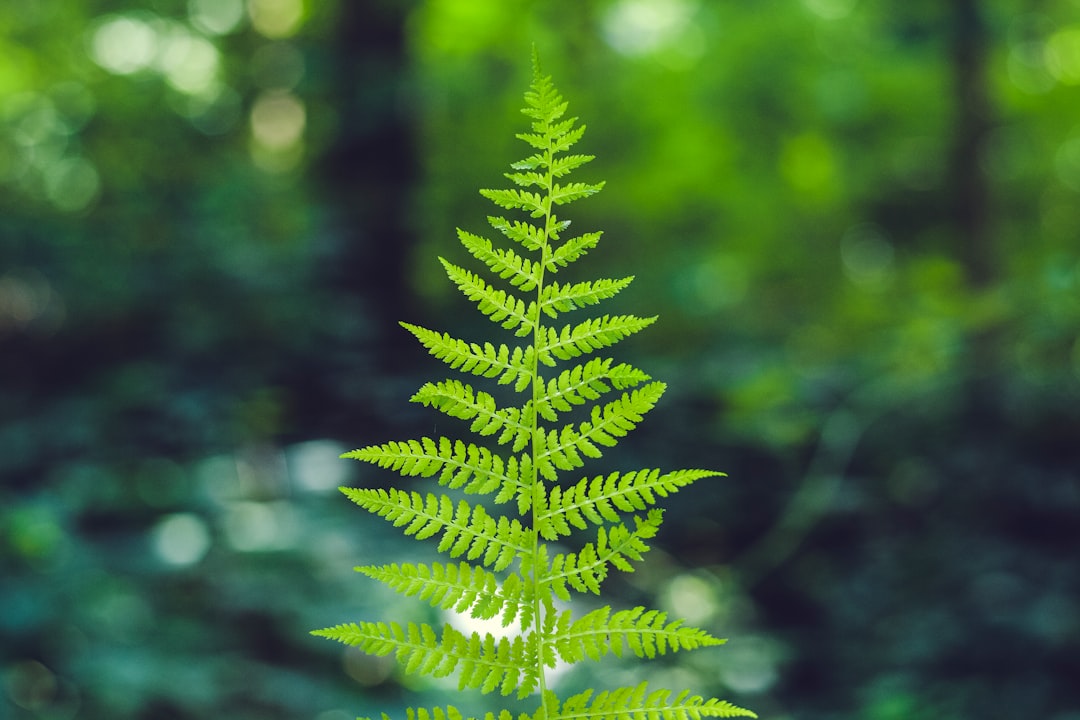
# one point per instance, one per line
(857, 219)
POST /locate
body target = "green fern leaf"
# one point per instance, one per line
(581, 383)
(463, 588)
(604, 426)
(602, 499)
(483, 663)
(564, 194)
(521, 272)
(533, 203)
(500, 565)
(466, 529)
(467, 466)
(638, 703)
(601, 332)
(558, 299)
(509, 366)
(459, 400)
(531, 236)
(500, 306)
(571, 251)
(646, 633)
(586, 569)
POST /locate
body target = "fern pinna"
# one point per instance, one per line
(504, 559)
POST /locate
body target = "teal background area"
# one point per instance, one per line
(856, 219)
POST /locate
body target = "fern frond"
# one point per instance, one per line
(557, 298)
(458, 399)
(500, 306)
(556, 138)
(586, 569)
(472, 468)
(450, 713)
(614, 420)
(639, 703)
(571, 251)
(435, 713)
(519, 271)
(466, 529)
(484, 663)
(600, 499)
(533, 203)
(584, 382)
(509, 366)
(590, 335)
(531, 236)
(564, 194)
(463, 588)
(557, 166)
(646, 633)
(502, 564)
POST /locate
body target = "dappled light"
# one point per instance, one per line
(857, 223)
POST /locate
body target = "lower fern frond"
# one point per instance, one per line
(638, 703)
(483, 663)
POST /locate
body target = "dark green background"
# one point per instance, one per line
(857, 220)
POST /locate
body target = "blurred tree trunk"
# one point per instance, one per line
(971, 200)
(370, 170)
(967, 180)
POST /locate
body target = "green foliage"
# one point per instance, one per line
(505, 566)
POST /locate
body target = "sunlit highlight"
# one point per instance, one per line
(181, 539)
(640, 27)
(216, 17)
(277, 130)
(1062, 53)
(123, 44)
(276, 18)
(190, 63)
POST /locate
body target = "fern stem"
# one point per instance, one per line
(538, 389)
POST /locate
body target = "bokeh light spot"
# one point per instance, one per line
(123, 44)
(260, 526)
(189, 62)
(1062, 53)
(691, 598)
(1026, 68)
(72, 184)
(277, 129)
(750, 664)
(277, 120)
(317, 466)
(216, 17)
(276, 18)
(181, 539)
(640, 27)
(29, 299)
